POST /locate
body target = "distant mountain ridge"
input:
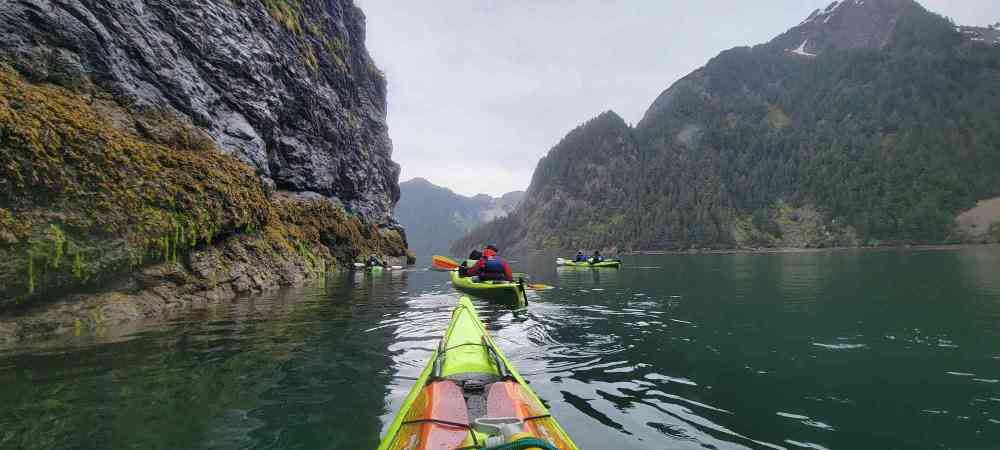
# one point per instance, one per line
(435, 216)
(868, 123)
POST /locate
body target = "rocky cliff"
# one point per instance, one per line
(435, 216)
(284, 85)
(176, 152)
(870, 123)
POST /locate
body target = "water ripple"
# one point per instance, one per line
(710, 351)
(839, 346)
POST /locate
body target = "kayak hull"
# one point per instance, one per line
(600, 265)
(509, 293)
(468, 379)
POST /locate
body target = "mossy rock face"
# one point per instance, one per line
(52, 258)
(321, 220)
(286, 86)
(85, 197)
(78, 192)
(11, 230)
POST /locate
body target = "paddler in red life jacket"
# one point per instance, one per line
(491, 266)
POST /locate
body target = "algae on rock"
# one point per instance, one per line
(85, 200)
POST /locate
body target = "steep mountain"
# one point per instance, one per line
(501, 206)
(187, 151)
(435, 216)
(871, 122)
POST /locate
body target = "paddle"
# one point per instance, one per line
(534, 286)
(443, 263)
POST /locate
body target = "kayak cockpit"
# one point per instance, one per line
(475, 411)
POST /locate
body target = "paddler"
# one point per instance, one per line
(580, 256)
(597, 257)
(374, 261)
(474, 257)
(491, 266)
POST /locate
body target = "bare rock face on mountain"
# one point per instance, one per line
(285, 85)
(845, 24)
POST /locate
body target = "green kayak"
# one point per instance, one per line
(469, 397)
(511, 293)
(365, 268)
(614, 264)
(374, 269)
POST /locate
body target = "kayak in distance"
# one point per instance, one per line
(608, 263)
(375, 269)
(512, 293)
(469, 397)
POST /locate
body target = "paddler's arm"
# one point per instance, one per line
(474, 270)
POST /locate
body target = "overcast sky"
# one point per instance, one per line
(479, 90)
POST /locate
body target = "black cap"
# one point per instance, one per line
(492, 247)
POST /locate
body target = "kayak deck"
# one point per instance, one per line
(467, 380)
(507, 292)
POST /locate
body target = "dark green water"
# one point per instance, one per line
(853, 350)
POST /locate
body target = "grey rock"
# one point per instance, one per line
(305, 106)
(846, 24)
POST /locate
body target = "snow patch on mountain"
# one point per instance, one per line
(845, 24)
(802, 49)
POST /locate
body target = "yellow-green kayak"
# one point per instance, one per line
(609, 263)
(510, 293)
(469, 397)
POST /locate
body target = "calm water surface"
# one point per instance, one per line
(848, 350)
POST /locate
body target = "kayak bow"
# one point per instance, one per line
(469, 397)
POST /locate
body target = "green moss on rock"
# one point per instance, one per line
(84, 198)
(323, 221)
(286, 12)
(11, 230)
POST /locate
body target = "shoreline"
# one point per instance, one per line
(790, 250)
(227, 272)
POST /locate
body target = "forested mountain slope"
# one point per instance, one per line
(435, 216)
(870, 122)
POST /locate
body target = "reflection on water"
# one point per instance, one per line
(841, 350)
